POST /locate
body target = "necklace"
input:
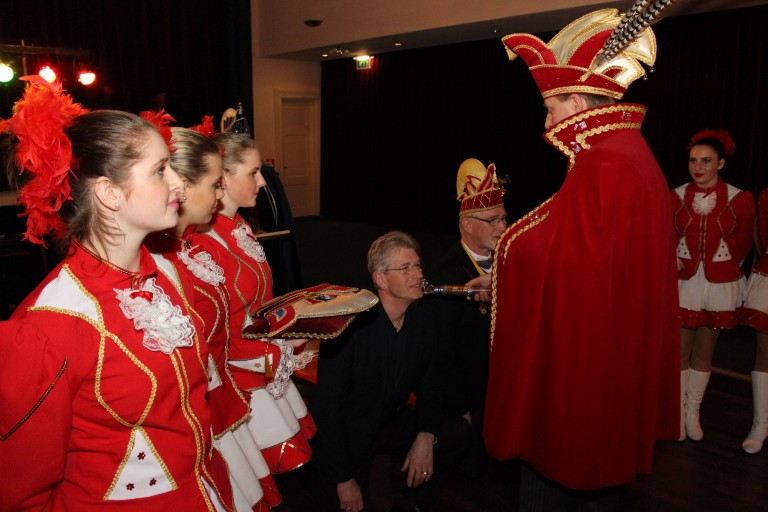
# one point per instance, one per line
(185, 244)
(136, 277)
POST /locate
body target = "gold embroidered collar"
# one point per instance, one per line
(576, 134)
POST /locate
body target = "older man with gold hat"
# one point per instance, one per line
(482, 220)
(584, 340)
(482, 217)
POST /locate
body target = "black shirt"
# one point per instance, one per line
(364, 377)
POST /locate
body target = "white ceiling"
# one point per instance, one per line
(355, 27)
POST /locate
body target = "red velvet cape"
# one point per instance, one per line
(584, 337)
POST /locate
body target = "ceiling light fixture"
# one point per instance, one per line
(337, 52)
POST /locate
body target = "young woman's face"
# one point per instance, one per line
(244, 180)
(202, 198)
(150, 201)
(704, 165)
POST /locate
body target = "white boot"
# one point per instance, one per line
(754, 441)
(697, 384)
(683, 391)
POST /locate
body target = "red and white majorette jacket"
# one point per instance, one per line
(761, 267)
(125, 418)
(210, 315)
(752, 313)
(714, 227)
(258, 364)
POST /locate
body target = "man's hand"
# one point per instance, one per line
(419, 461)
(483, 281)
(350, 497)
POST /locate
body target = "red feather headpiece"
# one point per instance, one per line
(162, 121)
(205, 127)
(722, 135)
(38, 123)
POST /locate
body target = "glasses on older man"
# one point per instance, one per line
(408, 269)
(494, 221)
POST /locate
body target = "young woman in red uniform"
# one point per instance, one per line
(755, 314)
(197, 159)
(714, 223)
(122, 423)
(261, 368)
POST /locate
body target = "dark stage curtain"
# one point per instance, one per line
(393, 136)
(192, 57)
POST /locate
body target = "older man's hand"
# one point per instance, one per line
(419, 462)
(350, 496)
(483, 281)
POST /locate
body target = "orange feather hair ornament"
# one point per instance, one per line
(44, 151)
(205, 127)
(162, 121)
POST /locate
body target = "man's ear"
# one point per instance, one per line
(579, 103)
(466, 225)
(107, 193)
(378, 278)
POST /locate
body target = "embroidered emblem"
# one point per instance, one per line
(704, 203)
(153, 481)
(247, 243)
(141, 456)
(130, 487)
(165, 326)
(202, 266)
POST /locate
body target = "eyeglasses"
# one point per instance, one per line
(407, 269)
(494, 221)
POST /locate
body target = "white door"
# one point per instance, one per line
(298, 152)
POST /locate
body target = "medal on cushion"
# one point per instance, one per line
(248, 244)
(202, 266)
(165, 327)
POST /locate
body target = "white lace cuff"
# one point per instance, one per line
(287, 365)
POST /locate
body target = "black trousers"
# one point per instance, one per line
(453, 441)
(539, 494)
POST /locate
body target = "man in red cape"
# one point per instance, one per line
(584, 355)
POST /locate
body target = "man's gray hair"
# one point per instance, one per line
(379, 255)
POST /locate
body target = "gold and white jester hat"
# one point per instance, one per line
(477, 187)
(599, 53)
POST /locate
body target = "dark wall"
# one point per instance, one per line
(191, 56)
(393, 136)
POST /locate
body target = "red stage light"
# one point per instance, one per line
(47, 74)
